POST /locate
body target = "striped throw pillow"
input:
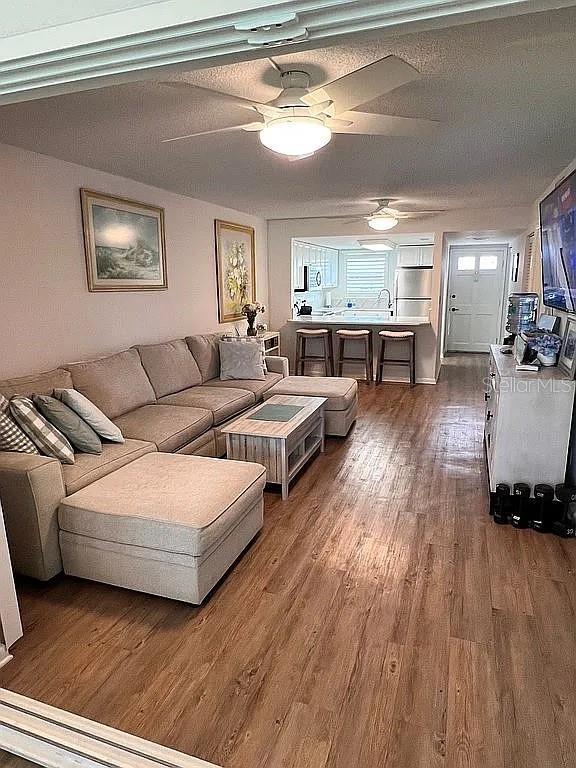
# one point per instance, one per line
(49, 440)
(12, 438)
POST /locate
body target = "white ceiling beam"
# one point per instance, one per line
(178, 35)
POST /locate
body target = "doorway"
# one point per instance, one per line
(475, 296)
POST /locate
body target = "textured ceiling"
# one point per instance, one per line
(503, 90)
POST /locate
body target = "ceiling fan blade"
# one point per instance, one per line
(244, 127)
(294, 158)
(253, 127)
(369, 124)
(365, 84)
(239, 101)
(269, 111)
(337, 125)
(321, 108)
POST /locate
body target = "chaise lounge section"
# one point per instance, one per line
(165, 525)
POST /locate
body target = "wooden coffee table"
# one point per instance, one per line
(282, 434)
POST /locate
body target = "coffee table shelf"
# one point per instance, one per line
(282, 446)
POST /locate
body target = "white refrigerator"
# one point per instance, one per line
(413, 291)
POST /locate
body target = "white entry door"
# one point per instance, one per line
(475, 293)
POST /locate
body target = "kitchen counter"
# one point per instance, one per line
(426, 341)
(368, 321)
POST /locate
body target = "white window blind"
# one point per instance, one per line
(366, 275)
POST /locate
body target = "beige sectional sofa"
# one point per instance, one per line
(165, 398)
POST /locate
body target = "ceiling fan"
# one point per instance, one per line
(300, 121)
(383, 218)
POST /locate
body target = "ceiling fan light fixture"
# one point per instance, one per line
(382, 223)
(295, 135)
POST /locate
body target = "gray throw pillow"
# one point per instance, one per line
(80, 434)
(239, 360)
(91, 414)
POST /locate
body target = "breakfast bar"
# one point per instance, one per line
(374, 321)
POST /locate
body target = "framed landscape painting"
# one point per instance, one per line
(235, 269)
(124, 244)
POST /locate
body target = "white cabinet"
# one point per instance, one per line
(322, 265)
(416, 256)
(527, 423)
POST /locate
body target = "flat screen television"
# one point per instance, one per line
(558, 239)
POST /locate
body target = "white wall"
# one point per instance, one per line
(281, 232)
(47, 314)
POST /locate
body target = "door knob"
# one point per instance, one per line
(454, 309)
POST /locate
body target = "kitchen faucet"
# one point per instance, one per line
(385, 290)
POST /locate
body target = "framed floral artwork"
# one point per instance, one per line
(235, 269)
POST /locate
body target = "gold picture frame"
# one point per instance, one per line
(235, 269)
(124, 243)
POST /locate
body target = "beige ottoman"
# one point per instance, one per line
(341, 407)
(166, 524)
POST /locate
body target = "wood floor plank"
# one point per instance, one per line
(530, 734)
(473, 731)
(471, 613)
(509, 585)
(555, 617)
(380, 619)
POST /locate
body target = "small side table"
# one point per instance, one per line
(271, 341)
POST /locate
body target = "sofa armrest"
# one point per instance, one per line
(31, 488)
(277, 364)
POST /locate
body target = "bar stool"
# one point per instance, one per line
(302, 335)
(363, 335)
(395, 336)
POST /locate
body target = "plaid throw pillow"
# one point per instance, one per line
(49, 440)
(11, 436)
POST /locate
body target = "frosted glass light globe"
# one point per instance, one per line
(294, 136)
(382, 223)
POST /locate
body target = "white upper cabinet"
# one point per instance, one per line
(322, 265)
(415, 256)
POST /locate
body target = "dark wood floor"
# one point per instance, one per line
(381, 619)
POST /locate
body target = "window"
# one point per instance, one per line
(466, 263)
(366, 275)
(488, 262)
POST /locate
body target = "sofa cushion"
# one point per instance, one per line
(168, 427)
(223, 403)
(340, 392)
(170, 366)
(90, 467)
(252, 385)
(116, 384)
(172, 503)
(37, 384)
(204, 348)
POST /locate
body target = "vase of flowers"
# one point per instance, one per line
(252, 311)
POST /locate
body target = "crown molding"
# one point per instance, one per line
(139, 43)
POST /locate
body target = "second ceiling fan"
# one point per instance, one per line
(300, 121)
